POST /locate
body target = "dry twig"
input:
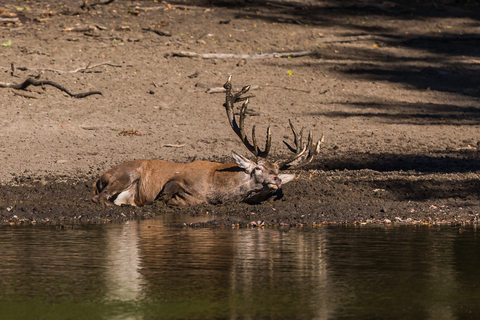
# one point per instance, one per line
(242, 56)
(79, 29)
(9, 20)
(157, 31)
(31, 81)
(172, 145)
(71, 71)
(167, 7)
(392, 39)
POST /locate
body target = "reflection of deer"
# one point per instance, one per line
(139, 182)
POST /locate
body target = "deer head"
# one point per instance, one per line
(303, 153)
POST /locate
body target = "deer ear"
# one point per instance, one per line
(243, 162)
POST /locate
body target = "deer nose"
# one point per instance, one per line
(277, 180)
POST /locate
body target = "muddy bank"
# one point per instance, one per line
(394, 86)
(316, 197)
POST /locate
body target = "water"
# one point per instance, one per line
(144, 270)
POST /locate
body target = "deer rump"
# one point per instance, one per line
(141, 182)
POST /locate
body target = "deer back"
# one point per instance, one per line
(212, 182)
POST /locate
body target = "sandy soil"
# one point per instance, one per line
(394, 86)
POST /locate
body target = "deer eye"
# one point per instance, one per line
(258, 169)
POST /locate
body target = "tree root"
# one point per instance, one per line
(31, 81)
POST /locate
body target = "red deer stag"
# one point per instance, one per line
(140, 182)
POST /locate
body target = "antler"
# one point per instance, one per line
(230, 100)
(303, 153)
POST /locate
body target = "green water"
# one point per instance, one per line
(145, 270)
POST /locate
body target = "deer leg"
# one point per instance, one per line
(170, 189)
(104, 198)
(102, 194)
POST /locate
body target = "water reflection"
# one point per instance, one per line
(144, 270)
(286, 262)
(123, 280)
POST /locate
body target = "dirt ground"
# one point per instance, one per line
(393, 85)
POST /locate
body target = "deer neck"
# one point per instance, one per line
(235, 185)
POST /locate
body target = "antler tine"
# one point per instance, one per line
(297, 137)
(298, 151)
(301, 156)
(238, 96)
(268, 143)
(242, 134)
(254, 141)
(230, 100)
(315, 150)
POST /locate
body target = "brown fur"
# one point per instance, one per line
(140, 182)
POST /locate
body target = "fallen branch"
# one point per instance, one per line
(12, 29)
(166, 7)
(71, 71)
(31, 81)
(172, 145)
(9, 20)
(157, 31)
(392, 39)
(242, 56)
(79, 29)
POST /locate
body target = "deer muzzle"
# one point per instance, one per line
(275, 183)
